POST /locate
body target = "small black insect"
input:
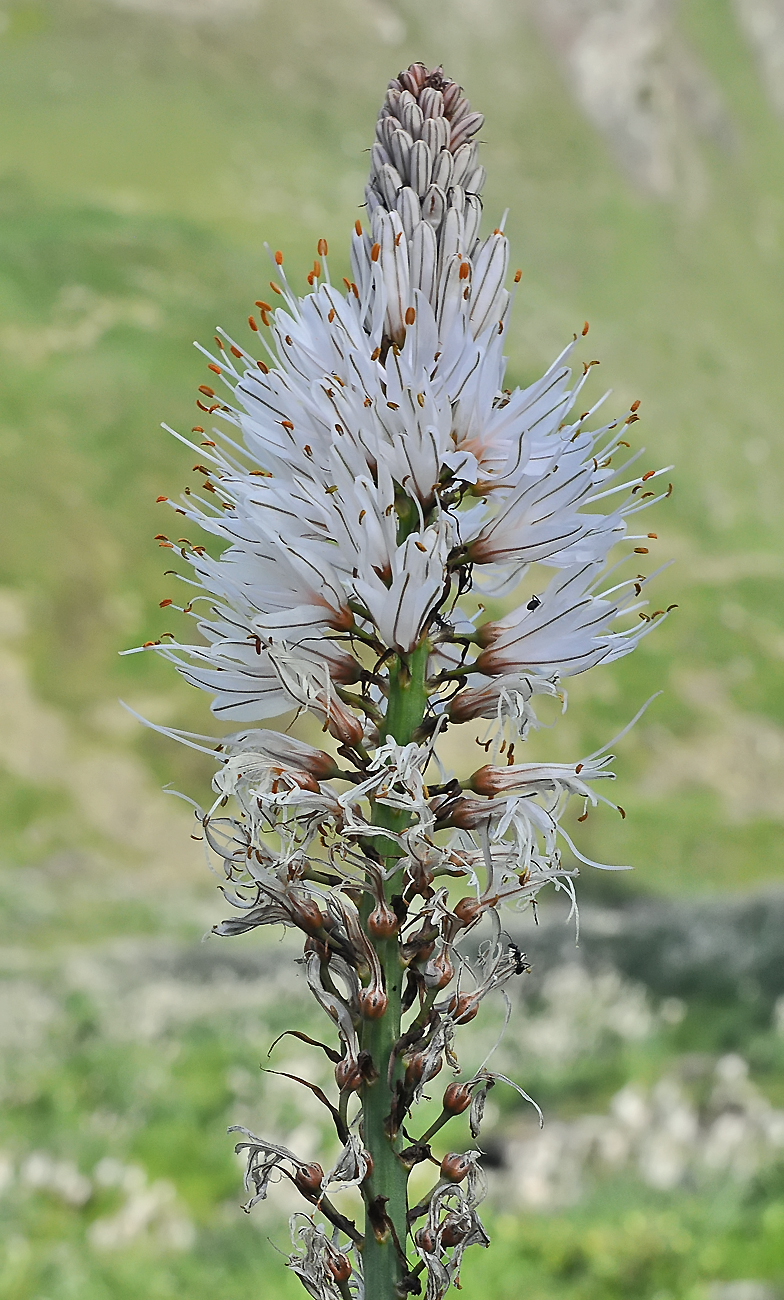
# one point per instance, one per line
(533, 603)
(521, 965)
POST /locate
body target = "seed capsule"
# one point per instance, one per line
(347, 1075)
(457, 1098)
(308, 1179)
(425, 1240)
(467, 910)
(340, 1267)
(382, 922)
(455, 1166)
(453, 1232)
(372, 1003)
(443, 970)
(416, 1068)
(462, 1008)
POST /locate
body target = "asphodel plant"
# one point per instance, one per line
(369, 486)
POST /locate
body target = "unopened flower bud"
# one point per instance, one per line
(309, 1179)
(373, 1003)
(382, 922)
(455, 1167)
(340, 1267)
(457, 1098)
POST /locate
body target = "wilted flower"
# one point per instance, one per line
(368, 471)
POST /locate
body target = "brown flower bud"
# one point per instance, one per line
(457, 1098)
(340, 1267)
(382, 922)
(308, 1179)
(373, 1003)
(455, 1166)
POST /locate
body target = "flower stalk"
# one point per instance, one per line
(368, 473)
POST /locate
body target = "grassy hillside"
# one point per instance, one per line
(144, 157)
(148, 148)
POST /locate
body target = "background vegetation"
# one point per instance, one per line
(147, 149)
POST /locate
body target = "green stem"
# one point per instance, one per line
(381, 1261)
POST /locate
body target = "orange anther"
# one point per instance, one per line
(649, 474)
(518, 276)
(322, 248)
(635, 405)
(264, 369)
(358, 226)
(208, 392)
(465, 271)
(197, 429)
(253, 324)
(216, 369)
(276, 288)
(410, 316)
(375, 252)
(279, 258)
(163, 603)
(585, 329)
(157, 499)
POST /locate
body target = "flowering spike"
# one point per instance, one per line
(381, 473)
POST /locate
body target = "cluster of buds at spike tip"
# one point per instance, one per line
(365, 475)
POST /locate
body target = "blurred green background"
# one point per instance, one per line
(147, 149)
